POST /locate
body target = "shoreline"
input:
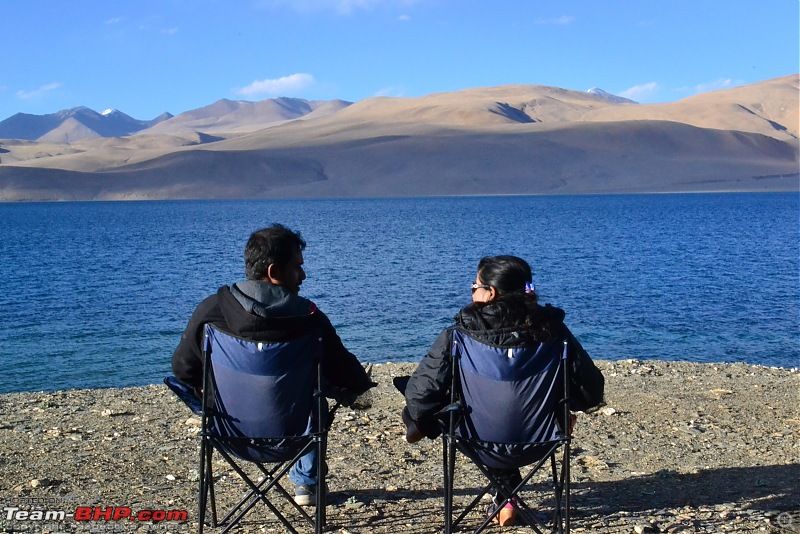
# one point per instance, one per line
(746, 191)
(792, 369)
(679, 447)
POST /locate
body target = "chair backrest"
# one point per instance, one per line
(261, 389)
(514, 396)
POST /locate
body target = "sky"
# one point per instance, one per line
(146, 57)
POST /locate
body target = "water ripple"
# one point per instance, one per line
(97, 294)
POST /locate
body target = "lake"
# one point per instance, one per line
(97, 294)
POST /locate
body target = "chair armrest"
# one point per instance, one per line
(186, 394)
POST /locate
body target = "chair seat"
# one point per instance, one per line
(510, 455)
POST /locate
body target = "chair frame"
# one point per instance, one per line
(451, 442)
(270, 476)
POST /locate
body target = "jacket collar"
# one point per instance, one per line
(269, 300)
(484, 323)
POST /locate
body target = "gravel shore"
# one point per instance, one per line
(679, 447)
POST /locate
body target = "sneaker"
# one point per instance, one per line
(306, 494)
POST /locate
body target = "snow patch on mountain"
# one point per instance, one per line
(608, 97)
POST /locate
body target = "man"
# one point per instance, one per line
(267, 307)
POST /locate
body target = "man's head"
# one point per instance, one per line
(275, 254)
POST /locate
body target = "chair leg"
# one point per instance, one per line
(206, 487)
(448, 461)
(322, 495)
(210, 484)
(507, 491)
(256, 494)
(561, 489)
(565, 475)
(558, 511)
(202, 488)
(258, 490)
(251, 499)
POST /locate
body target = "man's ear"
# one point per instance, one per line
(274, 274)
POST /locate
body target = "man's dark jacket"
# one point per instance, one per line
(428, 389)
(261, 311)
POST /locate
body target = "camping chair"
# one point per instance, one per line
(262, 406)
(522, 392)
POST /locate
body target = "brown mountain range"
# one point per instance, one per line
(516, 139)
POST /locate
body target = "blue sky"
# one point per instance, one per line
(145, 57)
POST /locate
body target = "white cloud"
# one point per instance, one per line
(390, 91)
(39, 91)
(404, 18)
(285, 85)
(169, 31)
(348, 6)
(343, 7)
(722, 83)
(640, 92)
(555, 21)
(115, 20)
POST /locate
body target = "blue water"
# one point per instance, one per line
(97, 294)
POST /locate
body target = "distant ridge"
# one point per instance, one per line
(237, 116)
(514, 139)
(75, 124)
(227, 116)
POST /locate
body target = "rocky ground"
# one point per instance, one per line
(678, 448)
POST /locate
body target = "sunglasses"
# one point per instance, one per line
(530, 287)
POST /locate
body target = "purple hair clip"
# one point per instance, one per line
(530, 287)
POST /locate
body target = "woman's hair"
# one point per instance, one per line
(507, 274)
(516, 305)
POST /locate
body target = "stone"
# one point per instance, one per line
(637, 479)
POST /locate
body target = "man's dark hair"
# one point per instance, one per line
(274, 244)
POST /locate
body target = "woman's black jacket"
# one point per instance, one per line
(428, 389)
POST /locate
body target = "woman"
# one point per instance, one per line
(504, 313)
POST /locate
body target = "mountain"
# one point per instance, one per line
(769, 108)
(515, 139)
(224, 116)
(229, 116)
(609, 97)
(76, 124)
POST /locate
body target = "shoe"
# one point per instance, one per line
(306, 494)
(413, 433)
(506, 517)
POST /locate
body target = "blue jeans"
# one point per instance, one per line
(304, 471)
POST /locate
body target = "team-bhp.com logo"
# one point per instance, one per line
(121, 513)
(23, 518)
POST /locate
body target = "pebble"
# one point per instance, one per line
(631, 471)
(354, 505)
